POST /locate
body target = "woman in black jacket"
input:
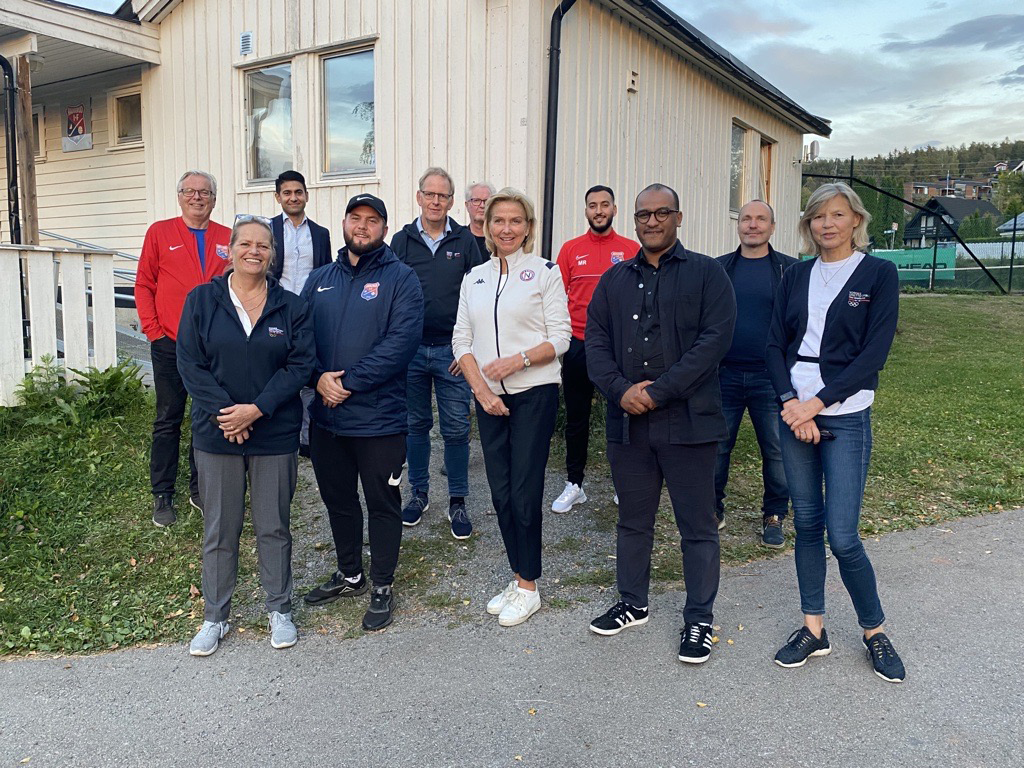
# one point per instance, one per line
(832, 327)
(245, 349)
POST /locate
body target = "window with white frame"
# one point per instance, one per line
(268, 119)
(39, 133)
(739, 136)
(348, 114)
(124, 118)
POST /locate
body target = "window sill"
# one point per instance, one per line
(126, 147)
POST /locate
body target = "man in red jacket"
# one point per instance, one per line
(582, 261)
(177, 255)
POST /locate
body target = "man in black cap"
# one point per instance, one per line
(367, 309)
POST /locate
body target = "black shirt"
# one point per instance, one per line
(648, 354)
(481, 243)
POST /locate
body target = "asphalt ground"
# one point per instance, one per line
(550, 693)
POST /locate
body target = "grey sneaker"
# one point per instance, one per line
(282, 631)
(163, 510)
(208, 638)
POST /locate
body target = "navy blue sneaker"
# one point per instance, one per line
(801, 645)
(413, 511)
(886, 661)
(771, 532)
(462, 528)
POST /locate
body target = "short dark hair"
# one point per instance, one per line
(289, 176)
(659, 188)
(599, 188)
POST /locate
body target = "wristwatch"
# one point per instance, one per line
(526, 360)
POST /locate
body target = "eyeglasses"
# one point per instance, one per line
(203, 194)
(248, 218)
(661, 215)
(476, 200)
(441, 197)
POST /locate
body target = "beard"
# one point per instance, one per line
(362, 250)
(602, 228)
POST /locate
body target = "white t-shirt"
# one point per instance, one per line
(826, 283)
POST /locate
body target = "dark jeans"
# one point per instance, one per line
(842, 466)
(515, 451)
(578, 391)
(340, 464)
(430, 366)
(639, 469)
(170, 410)
(753, 391)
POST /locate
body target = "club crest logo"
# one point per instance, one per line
(275, 332)
(223, 253)
(450, 255)
(617, 256)
(857, 298)
(527, 275)
(370, 291)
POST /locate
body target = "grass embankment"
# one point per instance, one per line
(82, 568)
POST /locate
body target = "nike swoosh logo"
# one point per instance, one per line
(395, 480)
(321, 289)
(176, 247)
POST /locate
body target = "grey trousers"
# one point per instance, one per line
(222, 484)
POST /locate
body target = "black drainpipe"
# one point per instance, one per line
(12, 150)
(550, 151)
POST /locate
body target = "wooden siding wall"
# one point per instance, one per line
(95, 195)
(459, 84)
(675, 130)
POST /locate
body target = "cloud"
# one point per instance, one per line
(990, 32)
(1016, 77)
(742, 20)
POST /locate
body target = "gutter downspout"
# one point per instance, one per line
(11, 91)
(551, 148)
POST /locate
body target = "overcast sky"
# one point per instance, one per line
(888, 73)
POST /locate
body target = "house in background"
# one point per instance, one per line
(1007, 228)
(361, 96)
(943, 216)
(969, 189)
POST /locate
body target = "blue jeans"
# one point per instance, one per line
(753, 391)
(842, 466)
(430, 366)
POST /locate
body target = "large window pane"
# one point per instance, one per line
(268, 94)
(129, 118)
(348, 114)
(736, 168)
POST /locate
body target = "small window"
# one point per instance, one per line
(124, 118)
(38, 133)
(268, 113)
(348, 121)
(739, 135)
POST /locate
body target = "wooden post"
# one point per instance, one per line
(26, 154)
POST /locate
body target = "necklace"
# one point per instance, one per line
(821, 271)
(254, 303)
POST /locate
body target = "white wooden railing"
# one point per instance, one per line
(88, 336)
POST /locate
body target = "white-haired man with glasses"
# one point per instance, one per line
(476, 201)
(177, 255)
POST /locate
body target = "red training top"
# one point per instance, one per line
(169, 269)
(582, 261)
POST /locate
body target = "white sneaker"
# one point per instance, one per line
(520, 606)
(615, 498)
(208, 638)
(496, 603)
(572, 494)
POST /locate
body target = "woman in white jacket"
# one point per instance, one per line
(512, 326)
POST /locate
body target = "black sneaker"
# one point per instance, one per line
(886, 661)
(801, 645)
(771, 532)
(695, 643)
(335, 587)
(304, 450)
(617, 618)
(378, 615)
(720, 514)
(163, 510)
(413, 511)
(462, 528)
(196, 501)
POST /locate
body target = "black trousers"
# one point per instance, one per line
(515, 451)
(578, 391)
(639, 469)
(340, 463)
(170, 410)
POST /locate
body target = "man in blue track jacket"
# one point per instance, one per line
(367, 310)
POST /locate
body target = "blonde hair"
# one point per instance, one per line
(510, 195)
(817, 201)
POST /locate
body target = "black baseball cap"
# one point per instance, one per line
(371, 200)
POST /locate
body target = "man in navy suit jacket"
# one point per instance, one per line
(302, 246)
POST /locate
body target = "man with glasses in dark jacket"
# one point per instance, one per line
(441, 252)
(755, 269)
(657, 327)
(367, 310)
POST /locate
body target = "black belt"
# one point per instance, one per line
(806, 359)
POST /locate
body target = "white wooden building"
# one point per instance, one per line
(361, 95)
